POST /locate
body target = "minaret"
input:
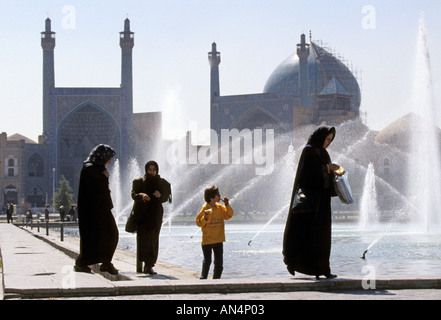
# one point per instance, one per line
(126, 42)
(214, 60)
(303, 53)
(48, 45)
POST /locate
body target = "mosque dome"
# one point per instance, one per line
(326, 74)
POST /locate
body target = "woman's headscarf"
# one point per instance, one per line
(316, 140)
(100, 155)
(156, 180)
(151, 163)
(318, 137)
(153, 179)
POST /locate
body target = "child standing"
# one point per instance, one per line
(211, 220)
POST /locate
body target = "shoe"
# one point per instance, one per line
(291, 270)
(109, 268)
(149, 270)
(84, 269)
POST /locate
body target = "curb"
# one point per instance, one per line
(228, 286)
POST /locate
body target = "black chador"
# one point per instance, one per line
(307, 237)
(149, 214)
(97, 226)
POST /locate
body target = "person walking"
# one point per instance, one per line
(46, 213)
(72, 214)
(149, 193)
(62, 213)
(9, 212)
(307, 236)
(97, 226)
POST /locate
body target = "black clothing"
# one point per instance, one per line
(218, 249)
(149, 214)
(307, 237)
(9, 211)
(62, 214)
(97, 226)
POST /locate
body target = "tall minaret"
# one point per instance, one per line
(126, 42)
(303, 53)
(48, 45)
(214, 60)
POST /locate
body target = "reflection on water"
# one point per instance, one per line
(399, 252)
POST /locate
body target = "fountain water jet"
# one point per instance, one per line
(424, 166)
(121, 188)
(368, 211)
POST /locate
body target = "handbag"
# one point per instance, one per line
(343, 189)
(303, 204)
(132, 222)
(299, 197)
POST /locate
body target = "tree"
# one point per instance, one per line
(64, 194)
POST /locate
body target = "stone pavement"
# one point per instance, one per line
(36, 266)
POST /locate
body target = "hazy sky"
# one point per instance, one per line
(172, 38)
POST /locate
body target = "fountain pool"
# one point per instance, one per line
(401, 252)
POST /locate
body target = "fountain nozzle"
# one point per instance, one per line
(249, 242)
(364, 254)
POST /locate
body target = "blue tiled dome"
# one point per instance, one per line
(323, 67)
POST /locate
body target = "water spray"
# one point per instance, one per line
(370, 246)
(269, 222)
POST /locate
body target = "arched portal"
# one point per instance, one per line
(85, 127)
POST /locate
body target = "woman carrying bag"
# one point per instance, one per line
(149, 193)
(307, 237)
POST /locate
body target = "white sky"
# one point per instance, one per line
(172, 38)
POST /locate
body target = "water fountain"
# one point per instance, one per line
(120, 183)
(368, 212)
(424, 165)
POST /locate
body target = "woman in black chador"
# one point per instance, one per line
(149, 192)
(307, 238)
(98, 230)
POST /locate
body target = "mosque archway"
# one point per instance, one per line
(85, 127)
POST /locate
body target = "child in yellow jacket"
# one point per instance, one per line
(211, 220)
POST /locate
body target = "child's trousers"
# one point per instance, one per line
(218, 249)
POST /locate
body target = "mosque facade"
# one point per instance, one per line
(310, 87)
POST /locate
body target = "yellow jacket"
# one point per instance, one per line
(212, 224)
